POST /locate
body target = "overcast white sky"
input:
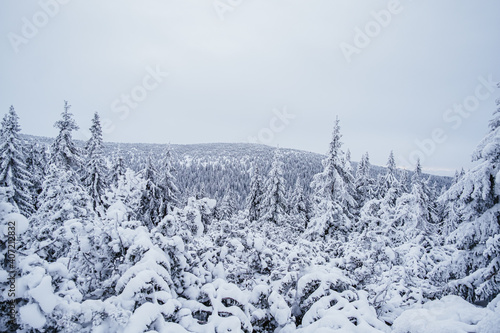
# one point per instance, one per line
(225, 77)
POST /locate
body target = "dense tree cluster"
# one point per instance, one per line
(131, 241)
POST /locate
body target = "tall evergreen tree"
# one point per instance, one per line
(254, 199)
(299, 206)
(390, 179)
(63, 151)
(117, 170)
(351, 209)
(334, 182)
(348, 162)
(451, 216)
(226, 208)
(274, 200)
(364, 182)
(332, 194)
(405, 181)
(95, 171)
(417, 174)
(36, 163)
(461, 174)
(415, 210)
(169, 191)
(62, 199)
(378, 215)
(151, 199)
(475, 200)
(13, 171)
(456, 177)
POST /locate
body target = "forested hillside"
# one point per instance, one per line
(214, 169)
(102, 237)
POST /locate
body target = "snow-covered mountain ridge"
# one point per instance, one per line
(212, 168)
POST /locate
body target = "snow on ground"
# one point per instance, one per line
(451, 314)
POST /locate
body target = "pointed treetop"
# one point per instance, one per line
(336, 144)
(94, 145)
(391, 163)
(167, 154)
(417, 175)
(96, 129)
(363, 166)
(64, 151)
(10, 122)
(366, 158)
(462, 172)
(67, 123)
(390, 179)
(348, 163)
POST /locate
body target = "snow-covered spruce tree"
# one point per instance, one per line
(459, 176)
(226, 208)
(145, 287)
(36, 163)
(370, 250)
(352, 210)
(62, 199)
(417, 174)
(451, 216)
(363, 183)
(95, 169)
(117, 170)
(475, 199)
(254, 199)
(299, 207)
(168, 189)
(274, 199)
(390, 179)
(91, 261)
(151, 199)
(348, 162)
(64, 152)
(200, 192)
(46, 296)
(456, 178)
(415, 212)
(332, 194)
(13, 171)
(378, 215)
(400, 236)
(404, 180)
(128, 191)
(390, 258)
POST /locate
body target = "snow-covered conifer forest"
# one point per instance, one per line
(102, 237)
